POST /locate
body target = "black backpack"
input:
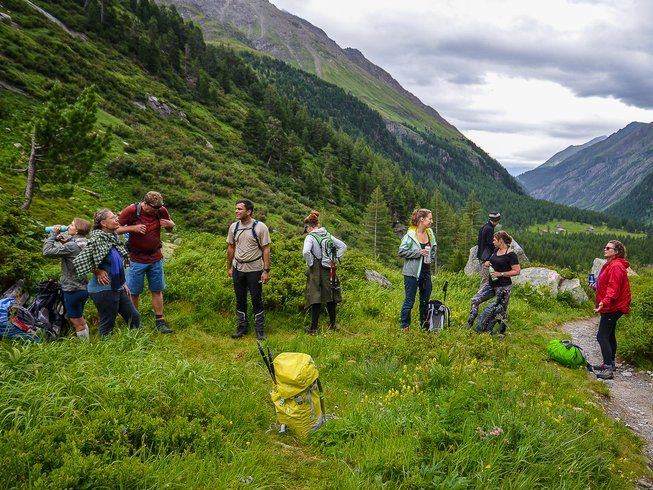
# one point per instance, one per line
(438, 315)
(47, 311)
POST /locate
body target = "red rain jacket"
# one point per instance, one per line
(613, 287)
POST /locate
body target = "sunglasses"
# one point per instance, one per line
(608, 248)
(154, 206)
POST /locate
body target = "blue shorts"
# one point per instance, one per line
(135, 277)
(74, 301)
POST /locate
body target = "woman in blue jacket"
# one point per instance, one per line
(418, 248)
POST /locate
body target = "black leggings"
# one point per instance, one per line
(315, 314)
(606, 336)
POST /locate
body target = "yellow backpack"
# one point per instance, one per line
(296, 393)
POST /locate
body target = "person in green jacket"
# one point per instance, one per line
(418, 249)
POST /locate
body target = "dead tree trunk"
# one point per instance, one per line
(31, 174)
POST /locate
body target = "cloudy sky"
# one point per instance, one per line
(523, 79)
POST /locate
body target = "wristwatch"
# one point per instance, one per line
(502, 274)
(266, 270)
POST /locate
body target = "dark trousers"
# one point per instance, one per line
(315, 314)
(109, 304)
(411, 285)
(248, 281)
(606, 336)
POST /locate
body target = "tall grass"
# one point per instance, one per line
(407, 410)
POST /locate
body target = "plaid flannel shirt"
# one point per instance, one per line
(99, 245)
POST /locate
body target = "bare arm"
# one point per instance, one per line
(231, 250)
(265, 277)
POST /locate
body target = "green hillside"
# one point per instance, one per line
(192, 410)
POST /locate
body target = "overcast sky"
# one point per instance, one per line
(523, 79)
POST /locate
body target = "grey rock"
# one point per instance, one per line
(539, 276)
(378, 278)
(573, 286)
(166, 110)
(140, 105)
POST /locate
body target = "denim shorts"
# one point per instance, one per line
(135, 277)
(74, 301)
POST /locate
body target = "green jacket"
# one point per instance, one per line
(409, 250)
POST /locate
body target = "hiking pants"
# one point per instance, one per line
(411, 285)
(248, 281)
(315, 314)
(500, 305)
(111, 302)
(606, 336)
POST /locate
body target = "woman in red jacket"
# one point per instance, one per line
(612, 301)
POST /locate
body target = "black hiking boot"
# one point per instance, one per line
(311, 331)
(161, 326)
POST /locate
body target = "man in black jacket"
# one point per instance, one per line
(485, 247)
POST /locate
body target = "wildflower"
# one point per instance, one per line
(487, 466)
(247, 443)
(497, 431)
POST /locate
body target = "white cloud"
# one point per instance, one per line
(522, 79)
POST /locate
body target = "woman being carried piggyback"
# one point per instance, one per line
(418, 249)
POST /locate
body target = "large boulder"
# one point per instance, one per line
(539, 276)
(378, 278)
(573, 286)
(473, 266)
(598, 264)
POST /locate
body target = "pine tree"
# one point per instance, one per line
(445, 225)
(64, 143)
(379, 237)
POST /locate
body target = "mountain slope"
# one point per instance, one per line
(569, 151)
(638, 204)
(261, 26)
(599, 175)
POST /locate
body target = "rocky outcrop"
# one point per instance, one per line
(166, 110)
(573, 287)
(378, 278)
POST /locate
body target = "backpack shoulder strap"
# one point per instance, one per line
(236, 229)
(139, 208)
(254, 234)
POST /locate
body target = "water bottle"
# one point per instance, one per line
(63, 229)
(591, 280)
(491, 272)
(427, 258)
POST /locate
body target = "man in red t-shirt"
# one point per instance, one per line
(143, 221)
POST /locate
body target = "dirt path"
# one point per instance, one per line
(631, 391)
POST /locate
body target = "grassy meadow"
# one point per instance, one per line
(407, 410)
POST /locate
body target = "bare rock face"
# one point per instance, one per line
(378, 278)
(598, 264)
(166, 110)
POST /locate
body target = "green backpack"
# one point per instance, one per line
(566, 353)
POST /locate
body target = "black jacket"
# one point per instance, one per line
(485, 245)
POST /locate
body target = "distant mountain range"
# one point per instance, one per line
(569, 151)
(601, 174)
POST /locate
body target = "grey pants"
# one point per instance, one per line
(499, 306)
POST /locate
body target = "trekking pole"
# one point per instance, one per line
(274, 377)
(265, 360)
(444, 290)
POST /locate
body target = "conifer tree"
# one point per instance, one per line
(445, 225)
(379, 237)
(64, 143)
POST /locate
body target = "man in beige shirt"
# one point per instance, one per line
(248, 264)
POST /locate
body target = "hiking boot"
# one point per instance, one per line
(311, 331)
(162, 327)
(239, 333)
(260, 336)
(333, 327)
(607, 373)
(601, 367)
